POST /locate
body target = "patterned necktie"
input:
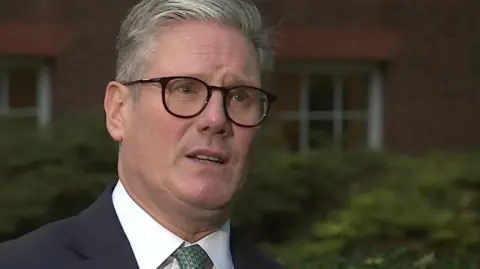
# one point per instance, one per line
(191, 257)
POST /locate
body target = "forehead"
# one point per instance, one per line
(206, 49)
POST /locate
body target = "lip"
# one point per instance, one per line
(208, 152)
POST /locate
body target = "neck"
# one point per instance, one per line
(187, 223)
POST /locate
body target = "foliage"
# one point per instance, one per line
(400, 258)
(52, 174)
(317, 210)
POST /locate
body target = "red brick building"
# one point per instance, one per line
(398, 75)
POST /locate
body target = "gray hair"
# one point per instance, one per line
(139, 30)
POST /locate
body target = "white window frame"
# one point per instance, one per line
(373, 115)
(43, 103)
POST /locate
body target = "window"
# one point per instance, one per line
(340, 109)
(24, 95)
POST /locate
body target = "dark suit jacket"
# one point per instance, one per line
(94, 240)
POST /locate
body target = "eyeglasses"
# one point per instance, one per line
(187, 97)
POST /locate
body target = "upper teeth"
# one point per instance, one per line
(208, 158)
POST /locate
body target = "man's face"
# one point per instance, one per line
(155, 144)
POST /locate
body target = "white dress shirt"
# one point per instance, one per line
(153, 245)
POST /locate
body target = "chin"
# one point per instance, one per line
(210, 204)
(213, 198)
(205, 189)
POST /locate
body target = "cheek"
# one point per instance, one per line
(243, 142)
(157, 133)
(166, 134)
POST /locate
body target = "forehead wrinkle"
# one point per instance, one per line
(215, 63)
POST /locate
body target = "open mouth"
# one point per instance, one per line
(206, 159)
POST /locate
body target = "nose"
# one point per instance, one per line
(213, 119)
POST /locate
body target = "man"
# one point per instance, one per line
(185, 107)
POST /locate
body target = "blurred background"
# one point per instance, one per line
(372, 147)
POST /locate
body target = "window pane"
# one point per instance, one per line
(321, 93)
(291, 133)
(354, 134)
(287, 87)
(22, 87)
(355, 93)
(320, 134)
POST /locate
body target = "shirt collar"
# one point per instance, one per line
(217, 246)
(152, 244)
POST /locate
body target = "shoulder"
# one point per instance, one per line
(36, 248)
(250, 256)
(262, 260)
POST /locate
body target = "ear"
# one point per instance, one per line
(116, 105)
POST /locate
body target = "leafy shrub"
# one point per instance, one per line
(53, 174)
(306, 209)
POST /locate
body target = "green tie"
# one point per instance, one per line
(191, 257)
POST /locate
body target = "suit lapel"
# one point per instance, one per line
(245, 256)
(99, 241)
(98, 238)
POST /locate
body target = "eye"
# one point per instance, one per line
(185, 89)
(185, 86)
(241, 95)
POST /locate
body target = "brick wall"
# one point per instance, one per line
(432, 90)
(85, 67)
(432, 83)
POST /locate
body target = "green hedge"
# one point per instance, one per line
(360, 204)
(315, 210)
